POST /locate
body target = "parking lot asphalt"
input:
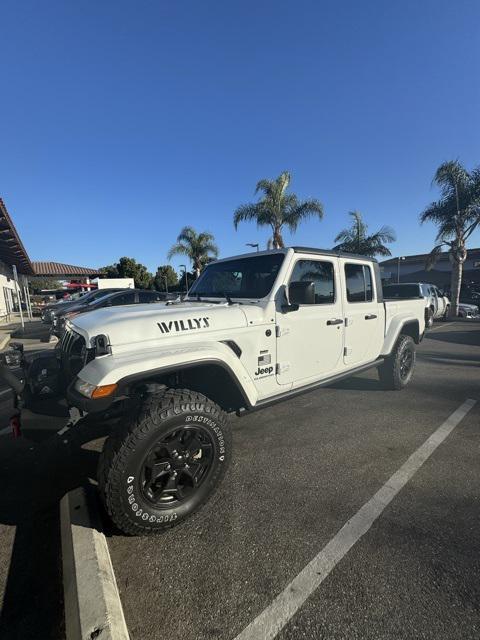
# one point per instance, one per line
(301, 470)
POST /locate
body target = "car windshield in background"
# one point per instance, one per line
(242, 278)
(401, 291)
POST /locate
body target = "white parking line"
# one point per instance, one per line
(286, 604)
(440, 326)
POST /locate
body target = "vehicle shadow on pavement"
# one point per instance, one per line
(358, 384)
(469, 338)
(35, 472)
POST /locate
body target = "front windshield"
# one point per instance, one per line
(251, 277)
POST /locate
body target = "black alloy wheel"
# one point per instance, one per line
(176, 466)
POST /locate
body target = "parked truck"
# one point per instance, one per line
(254, 329)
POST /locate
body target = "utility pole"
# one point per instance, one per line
(186, 277)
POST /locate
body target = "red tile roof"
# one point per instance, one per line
(58, 269)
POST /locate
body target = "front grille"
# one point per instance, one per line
(73, 353)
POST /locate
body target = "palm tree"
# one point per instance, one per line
(355, 239)
(200, 248)
(457, 215)
(277, 209)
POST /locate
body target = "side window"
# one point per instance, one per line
(359, 283)
(126, 298)
(148, 296)
(321, 274)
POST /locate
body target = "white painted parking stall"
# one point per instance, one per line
(270, 622)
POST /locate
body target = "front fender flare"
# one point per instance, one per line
(127, 367)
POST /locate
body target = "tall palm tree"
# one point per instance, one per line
(200, 248)
(457, 215)
(355, 239)
(277, 209)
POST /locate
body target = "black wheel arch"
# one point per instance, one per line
(409, 328)
(212, 378)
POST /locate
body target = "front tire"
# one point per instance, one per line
(397, 370)
(165, 463)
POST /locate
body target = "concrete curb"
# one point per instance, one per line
(4, 340)
(92, 603)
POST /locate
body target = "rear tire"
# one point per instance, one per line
(397, 370)
(165, 462)
(429, 319)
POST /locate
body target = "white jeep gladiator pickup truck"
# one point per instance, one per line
(254, 329)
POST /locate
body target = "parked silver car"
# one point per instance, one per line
(468, 310)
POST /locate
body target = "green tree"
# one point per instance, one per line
(276, 208)
(110, 271)
(355, 239)
(130, 268)
(37, 283)
(199, 248)
(166, 278)
(457, 215)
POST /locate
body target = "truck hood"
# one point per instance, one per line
(142, 323)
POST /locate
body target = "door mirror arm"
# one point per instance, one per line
(288, 307)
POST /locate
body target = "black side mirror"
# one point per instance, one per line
(301, 292)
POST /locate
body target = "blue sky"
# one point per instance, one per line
(123, 121)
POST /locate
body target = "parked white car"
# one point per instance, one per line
(437, 305)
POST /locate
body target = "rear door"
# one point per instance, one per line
(364, 324)
(310, 340)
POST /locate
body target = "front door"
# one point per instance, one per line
(364, 330)
(310, 340)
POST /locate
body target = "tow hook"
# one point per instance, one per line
(16, 426)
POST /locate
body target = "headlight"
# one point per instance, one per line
(85, 388)
(91, 391)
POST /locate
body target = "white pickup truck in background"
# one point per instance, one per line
(255, 329)
(437, 304)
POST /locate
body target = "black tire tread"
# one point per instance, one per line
(137, 425)
(389, 371)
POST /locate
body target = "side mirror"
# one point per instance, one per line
(301, 292)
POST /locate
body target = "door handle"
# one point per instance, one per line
(370, 316)
(336, 321)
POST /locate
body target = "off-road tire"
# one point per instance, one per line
(120, 466)
(428, 318)
(390, 372)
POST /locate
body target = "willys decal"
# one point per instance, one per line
(184, 325)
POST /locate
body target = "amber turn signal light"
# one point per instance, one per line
(104, 391)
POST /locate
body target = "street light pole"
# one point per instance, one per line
(398, 267)
(252, 244)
